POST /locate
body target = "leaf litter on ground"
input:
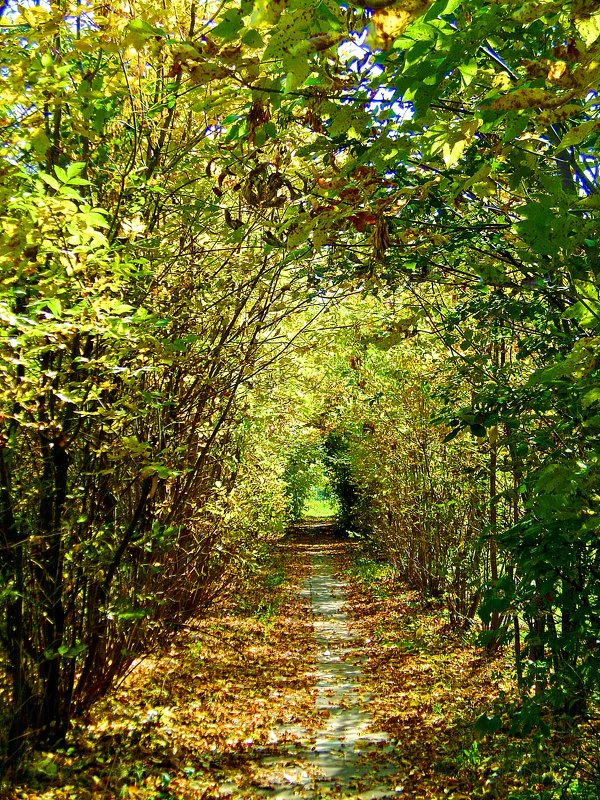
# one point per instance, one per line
(229, 709)
(427, 686)
(196, 721)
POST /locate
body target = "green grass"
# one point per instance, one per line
(374, 574)
(275, 577)
(370, 571)
(319, 508)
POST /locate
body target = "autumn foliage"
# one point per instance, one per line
(237, 233)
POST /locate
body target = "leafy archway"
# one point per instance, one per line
(184, 190)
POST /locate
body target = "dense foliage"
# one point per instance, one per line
(185, 190)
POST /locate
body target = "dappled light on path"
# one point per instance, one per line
(344, 758)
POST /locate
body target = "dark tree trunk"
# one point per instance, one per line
(12, 544)
(54, 714)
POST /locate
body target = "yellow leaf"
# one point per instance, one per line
(289, 31)
(319, 238)
(205, 72)
(578, 134)
(557, 71)
(266, 13)
(586, 16)
(34, 16)
(83, 45)
(529, 98)
(389, 23)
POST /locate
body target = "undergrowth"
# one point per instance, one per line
(431, 687)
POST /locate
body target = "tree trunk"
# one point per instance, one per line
(54, 715)
(12, 544)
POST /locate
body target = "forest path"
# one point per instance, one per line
(261, 698)
(346, 758)
(282, 690)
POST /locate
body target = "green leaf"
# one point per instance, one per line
(588, 25)
(440, 8)
(96, 220)
(543, 227)
(592, 423)
(61, 174)
(478, 430)
(591, 398)
(73, 651)
(47, 768)
(75, 168)
(229, 26)
(253, 39)
(487, 725)
(260, 137)
(132, 615)
(452, 435)
(67, 398)
(140, 26)
(270, 128)
(494, 603)
(468, 71)
(55, 306)
(577, 134)
(586, 313)
(591, 201)
(515, 123)
(52, 182)
(291, 29)
(298, 69)
(349, 119)
(40, 143)
(556, 479)
(134, 447)
(69, 191)
(299, 235)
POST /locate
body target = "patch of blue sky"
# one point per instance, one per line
(359, 59)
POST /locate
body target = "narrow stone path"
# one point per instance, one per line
(345, 744)
(346, 758)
